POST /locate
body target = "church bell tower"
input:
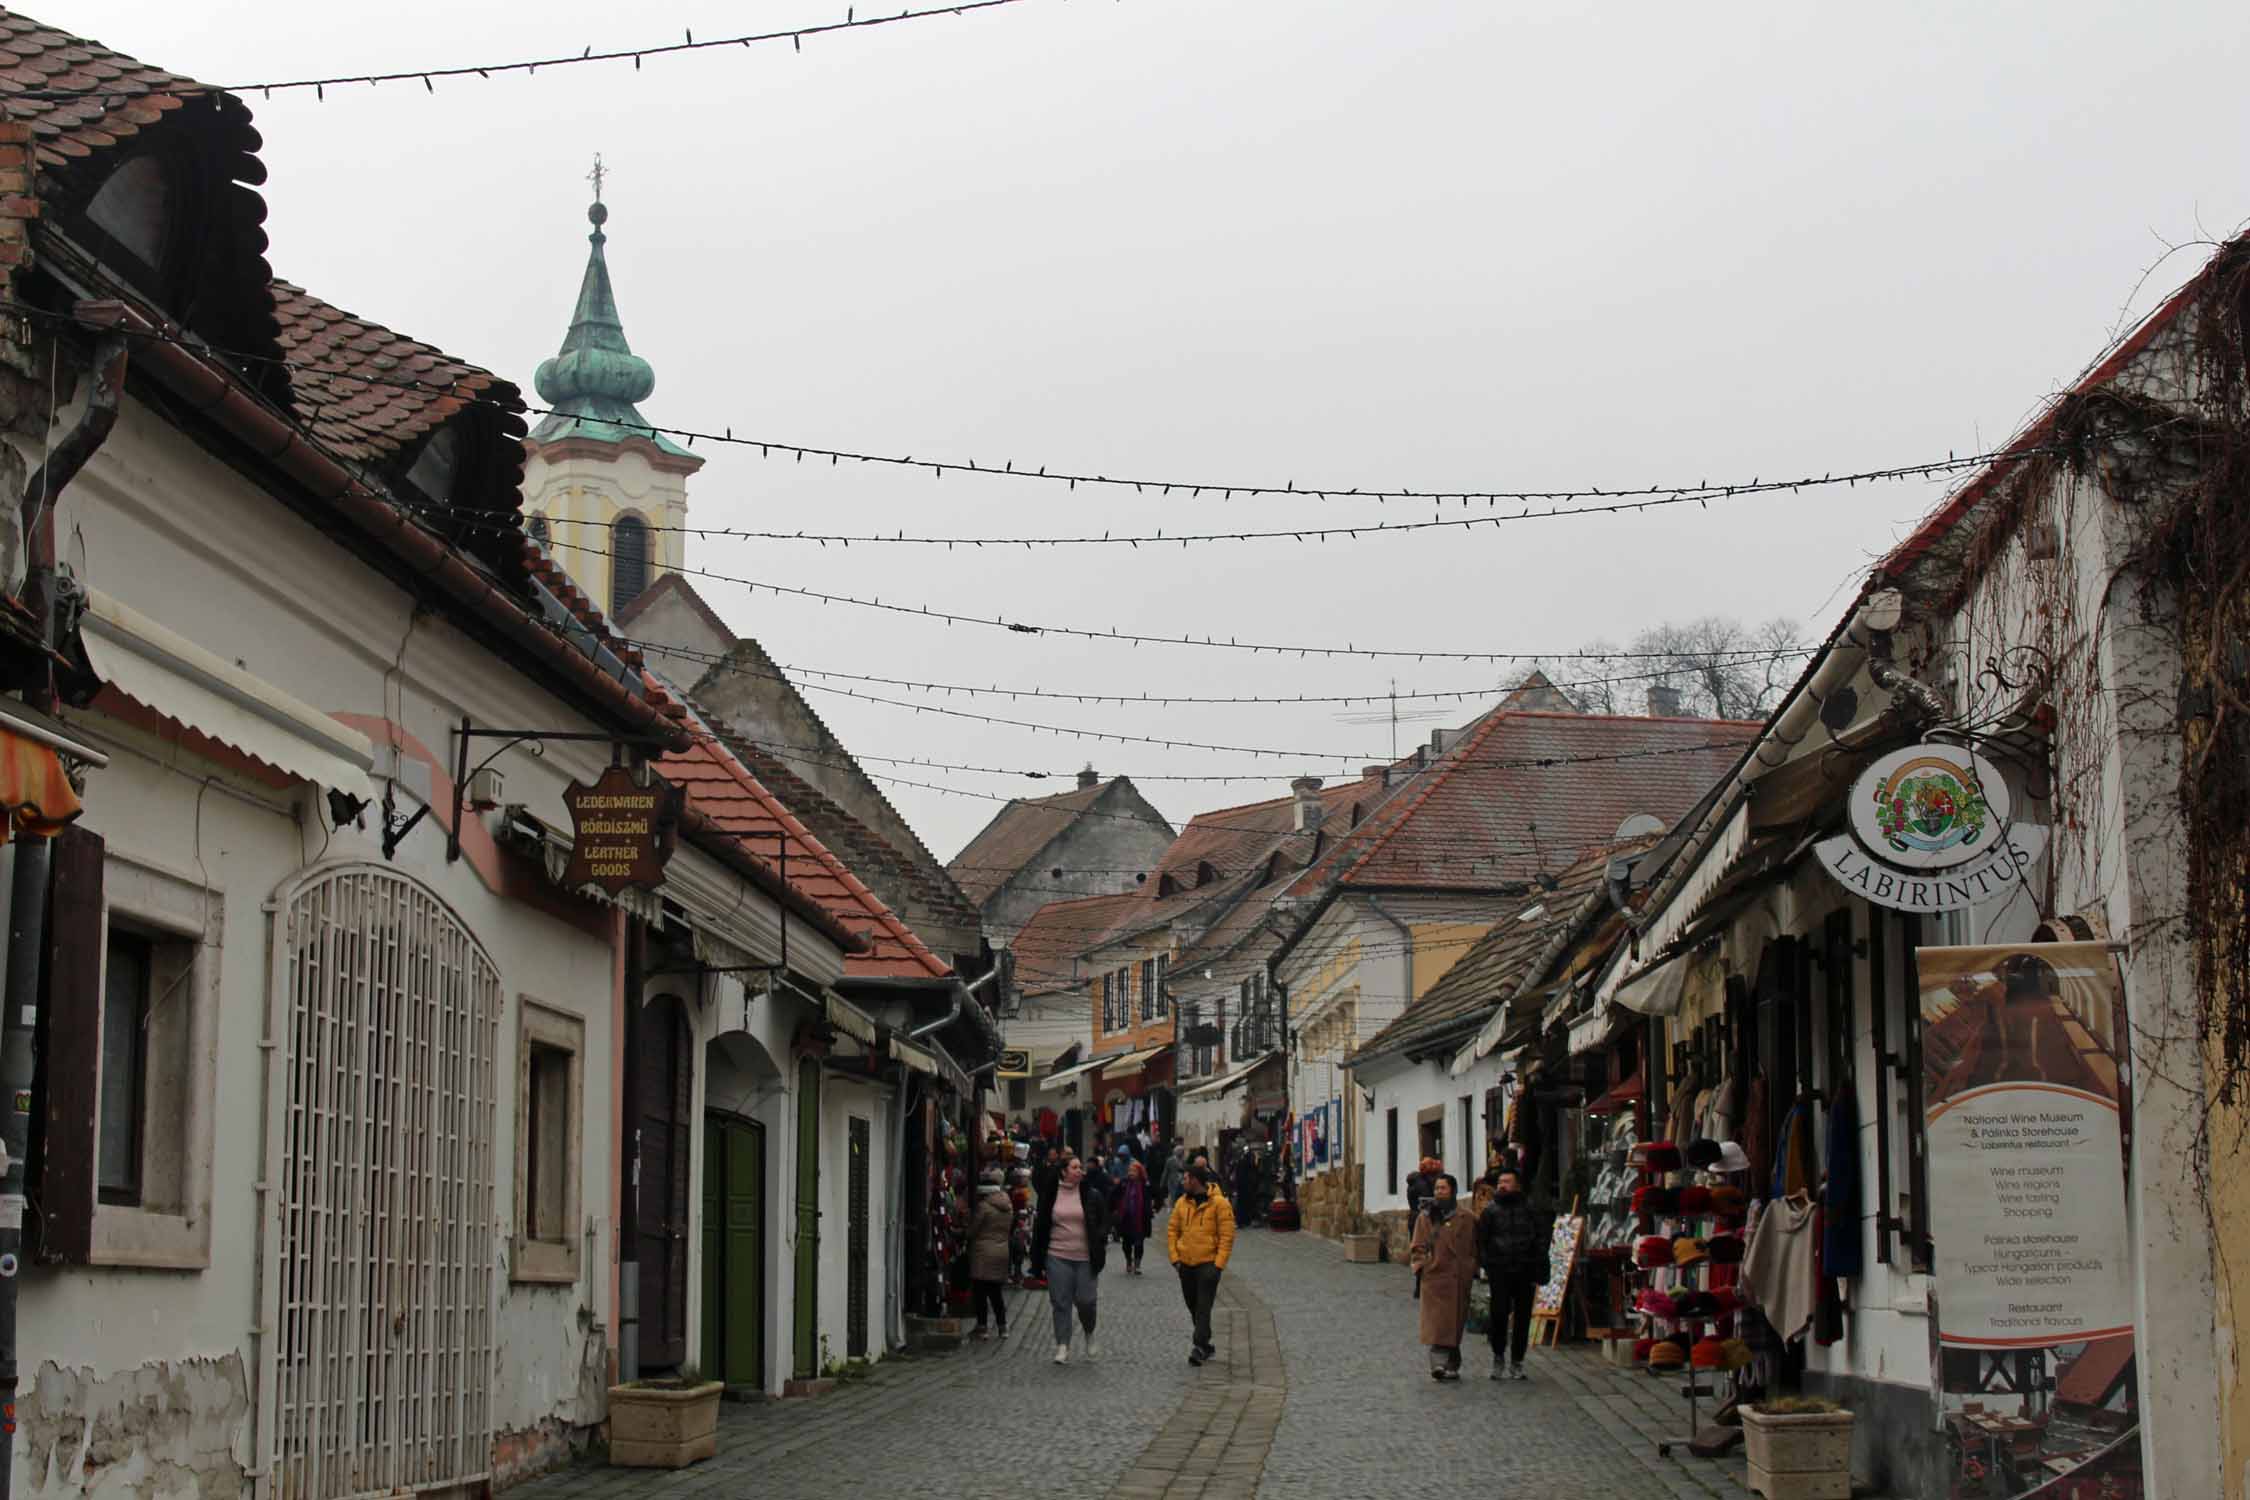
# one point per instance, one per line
(607, 495)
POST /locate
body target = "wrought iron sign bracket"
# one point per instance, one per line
(463, 773)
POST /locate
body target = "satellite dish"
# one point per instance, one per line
(1639, 825)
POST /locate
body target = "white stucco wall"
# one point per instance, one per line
(143, 1379)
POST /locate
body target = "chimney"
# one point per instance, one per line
(1088, 779)
(1373, 773)
(1309, 810)
(1663, 702)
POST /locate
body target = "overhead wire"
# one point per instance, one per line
(1750, 656)
(1615, 498)
(131, 89)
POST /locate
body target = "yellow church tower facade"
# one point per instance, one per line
(603, 491)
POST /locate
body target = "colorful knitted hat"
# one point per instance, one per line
(1657, 1156)
(1653, 1251)
(1726, 1249)
(1695, 1200)
(1687, 1251)
(1707, 1353)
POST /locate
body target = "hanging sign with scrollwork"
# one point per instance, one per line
(1931, 830)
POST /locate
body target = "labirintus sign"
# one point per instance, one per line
(1931, 830)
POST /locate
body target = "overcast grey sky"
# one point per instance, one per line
(1442, 244)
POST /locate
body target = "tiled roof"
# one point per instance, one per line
(1527, 792)
(381, 416)
(864, 849)
(1014, 838)
(74, 133)
(1498, 962)
(134, 95)
(1237, 843)
(723, 788)
(1056, 934)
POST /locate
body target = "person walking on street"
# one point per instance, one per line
(1200, 1240)
(1069, 1244)
(991, 1226)
(1175, 1173)
(1512, 1241)
(1246, 1196)
(1418, 1191)
(1132, 1209)
(1445, 1254)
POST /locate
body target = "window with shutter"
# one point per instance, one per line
(129, 1023)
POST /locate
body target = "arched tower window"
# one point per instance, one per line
(628, 562)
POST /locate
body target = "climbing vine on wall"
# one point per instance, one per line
(2191, 467)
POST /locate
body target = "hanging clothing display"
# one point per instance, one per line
(1778, 1275)
(1794, 1175)
(1680, 1120)
(1756, 1138)
(1840, 1250)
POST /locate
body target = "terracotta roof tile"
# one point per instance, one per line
(378, 417)
(865, 850)
(134, 95)
(1496, 964)
(727, 793)
(1056, 934)
(1527, 792)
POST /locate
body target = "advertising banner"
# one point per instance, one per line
(2023, 1091)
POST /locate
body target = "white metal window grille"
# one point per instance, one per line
(380, 1256)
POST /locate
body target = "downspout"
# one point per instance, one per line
(27, 914)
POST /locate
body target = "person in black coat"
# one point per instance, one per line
(1512, 1245)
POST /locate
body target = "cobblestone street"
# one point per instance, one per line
(1319, 1391)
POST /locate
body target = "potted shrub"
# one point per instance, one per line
(1800, 1448)
(665, 1422)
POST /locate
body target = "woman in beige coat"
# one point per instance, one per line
(1444, 1253)
(990, 1224)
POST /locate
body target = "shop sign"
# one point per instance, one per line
(1931, 830)
(621, 831)
(2024, 1053)
(1015, 1062)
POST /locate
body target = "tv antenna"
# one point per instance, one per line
(1411, 716)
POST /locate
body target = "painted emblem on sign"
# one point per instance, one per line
(1931, 804)
(1932, 830)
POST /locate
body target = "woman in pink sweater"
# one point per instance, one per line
(1069, 1240)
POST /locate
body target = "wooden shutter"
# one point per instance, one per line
(62, 1158)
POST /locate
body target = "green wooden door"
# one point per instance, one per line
(734, 1259)
(807, 1327)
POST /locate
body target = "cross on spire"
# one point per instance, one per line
(595, 177)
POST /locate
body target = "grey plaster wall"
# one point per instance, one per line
(1101, 852)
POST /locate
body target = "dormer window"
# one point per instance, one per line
(134, 207)
(437, 466)
(1205, 873)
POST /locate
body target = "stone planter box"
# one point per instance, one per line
(1799, 1455)
(658, 1427)
(1363, 1249)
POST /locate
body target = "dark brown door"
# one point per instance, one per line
(666, 1082)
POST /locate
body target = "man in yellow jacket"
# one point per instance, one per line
(1200, 1237)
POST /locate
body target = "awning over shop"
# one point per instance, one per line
(199, 690)
(34, 790)
(1595, 1029)
(1227, 1082)
(1653, 991)
(1131, 1062)
(932, 1061)
(1620, 1096)
(850, 1019)
(1056, 1080)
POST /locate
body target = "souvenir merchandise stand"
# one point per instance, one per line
(1693, 1217)
(1605, 1293)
